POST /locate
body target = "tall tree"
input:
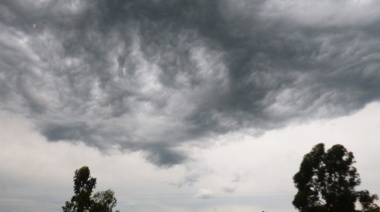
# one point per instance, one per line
(83, 186)
(82, 201)
(326, 181)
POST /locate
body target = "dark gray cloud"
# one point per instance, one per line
(153, 76)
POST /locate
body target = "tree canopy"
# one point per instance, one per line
(83, 200)
(326, 182)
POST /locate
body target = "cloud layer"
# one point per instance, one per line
(155, 76)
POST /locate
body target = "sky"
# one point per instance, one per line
(183, 105)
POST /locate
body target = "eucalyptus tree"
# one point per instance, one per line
(83, 200)
(326, 181)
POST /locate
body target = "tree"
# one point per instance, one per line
(375, 209)
(326, 182)
(104, 201)
(82, 201)
(366, 200)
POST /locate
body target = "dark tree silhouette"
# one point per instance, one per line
(104, 201)
(326, 181)
(82, 201)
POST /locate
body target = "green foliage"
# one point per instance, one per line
(326, 181)
(82, 201)
(104, 201)
(366, 200)
(374, 209)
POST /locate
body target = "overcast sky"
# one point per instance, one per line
(183, 105)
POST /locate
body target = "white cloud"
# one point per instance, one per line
(204, 193)
(229, 188)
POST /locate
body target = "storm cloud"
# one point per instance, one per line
(155, 76)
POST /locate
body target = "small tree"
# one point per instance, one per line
(104, 201)
(326, 181)
(82, 201)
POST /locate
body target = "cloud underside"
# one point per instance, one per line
(153, 76)
(204, 194)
